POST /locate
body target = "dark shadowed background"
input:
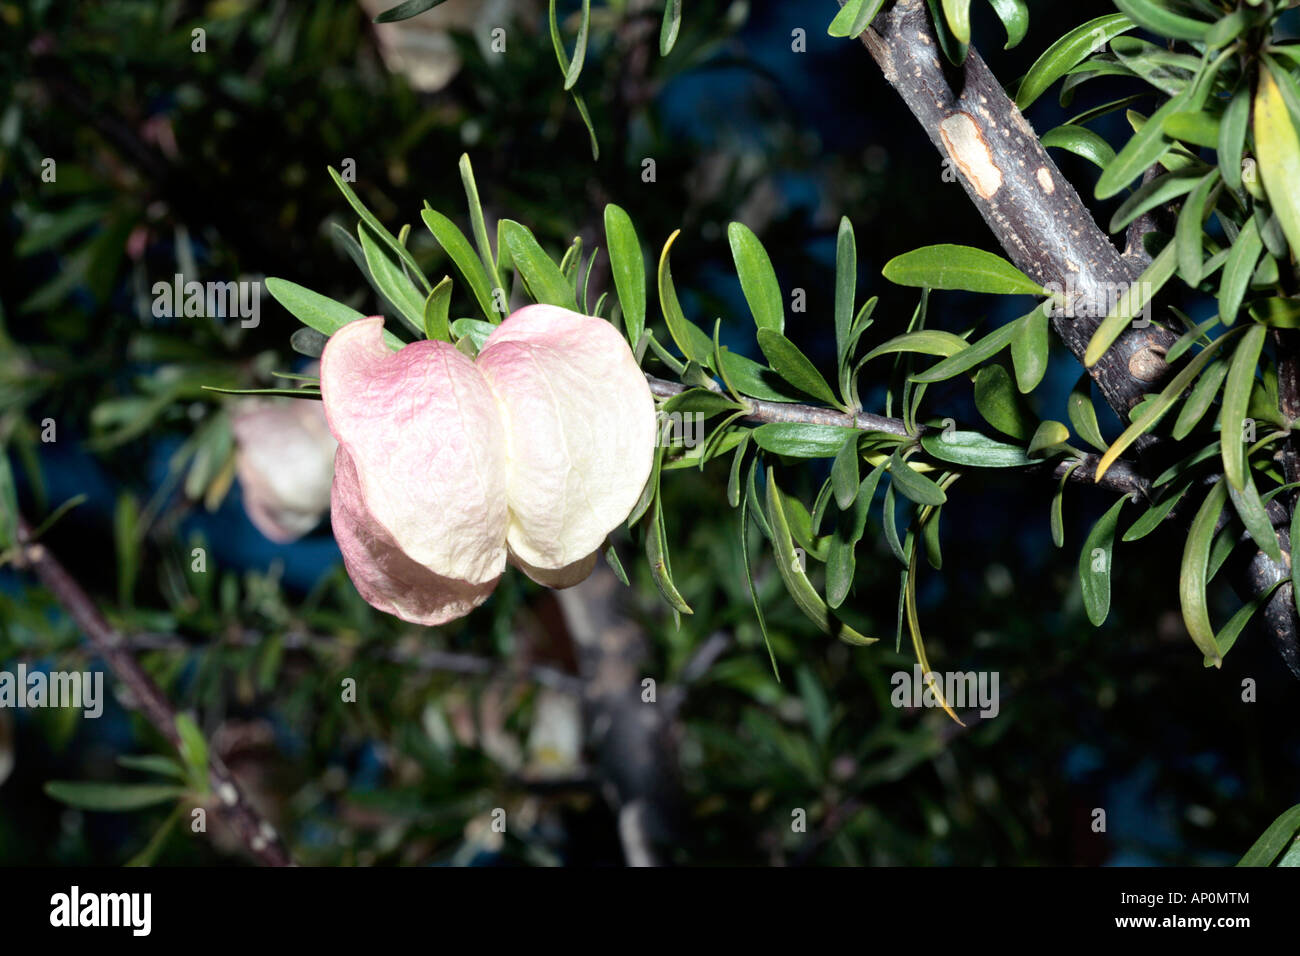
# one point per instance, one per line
(213, 165)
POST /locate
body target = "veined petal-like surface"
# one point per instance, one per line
(580, 429)
(383, 573)
(284, 460)
(425, 437)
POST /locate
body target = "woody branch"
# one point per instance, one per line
(1039, 220)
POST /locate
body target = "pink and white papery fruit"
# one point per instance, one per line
(446, 466)
(284, 459)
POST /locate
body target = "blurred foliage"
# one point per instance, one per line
(212, 165)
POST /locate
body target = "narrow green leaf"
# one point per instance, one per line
(1082, 142)
(392, 281)
(922, 341)
(1193, 575)
(1273, 840)
(1198, 402)
(544, 278)
(1189, 235)
(1067, 52)
(580, 47)
(953, 50)
(948, 266)
(733, 478)
(703, 400)
(973, 449)
(1153, 516)
(8, 505)
(581, 104)
(1014, 15)
(846, 286)
(969, 357)
(844, 473)
(193, 751)
(749, 576)
(369, 219)
(796, 580)
(913, 484)
(627, 265)
(999, 403)
(800, 440)
(1239, 268)
(1277, 148)
(670, 27)
(841, 559)
(1131, 304)
(126, 518)
(1029, 350)
(1158, 18)
(1047, 436)
(1232, 137)
(1095, 564)
(651, 489)
(1193, 336)
(1144, 149)
(1082, 414)
(1160, 191)
(1250, 508)
(657, 555)
(476, 330)
(406, 10)
(1193, 126)
(477, 223)
(112, 797)
(436, 307)
(757, 278)
(930, 538)
(1057, 515)
(153, 763)
(957, 13)
(692, 342)
(1159, 406)
(854, 17)
(318, 312)
(793, 366)
(1227, 637)
(471, 269)
(312, 394)
(1236, 398)
(1226, 29)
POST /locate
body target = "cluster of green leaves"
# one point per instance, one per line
(952, 21)
(1223, 146)
(185, 782)
(902, 462)
(1235, 94)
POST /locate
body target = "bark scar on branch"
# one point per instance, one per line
(1034, 212)
(1040, 222)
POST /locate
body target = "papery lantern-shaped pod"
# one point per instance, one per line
(419, 496)
(580, 430)
(284, 459)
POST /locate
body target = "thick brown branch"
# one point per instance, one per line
(1034, 211)
(1039, 220)
(258, 835)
